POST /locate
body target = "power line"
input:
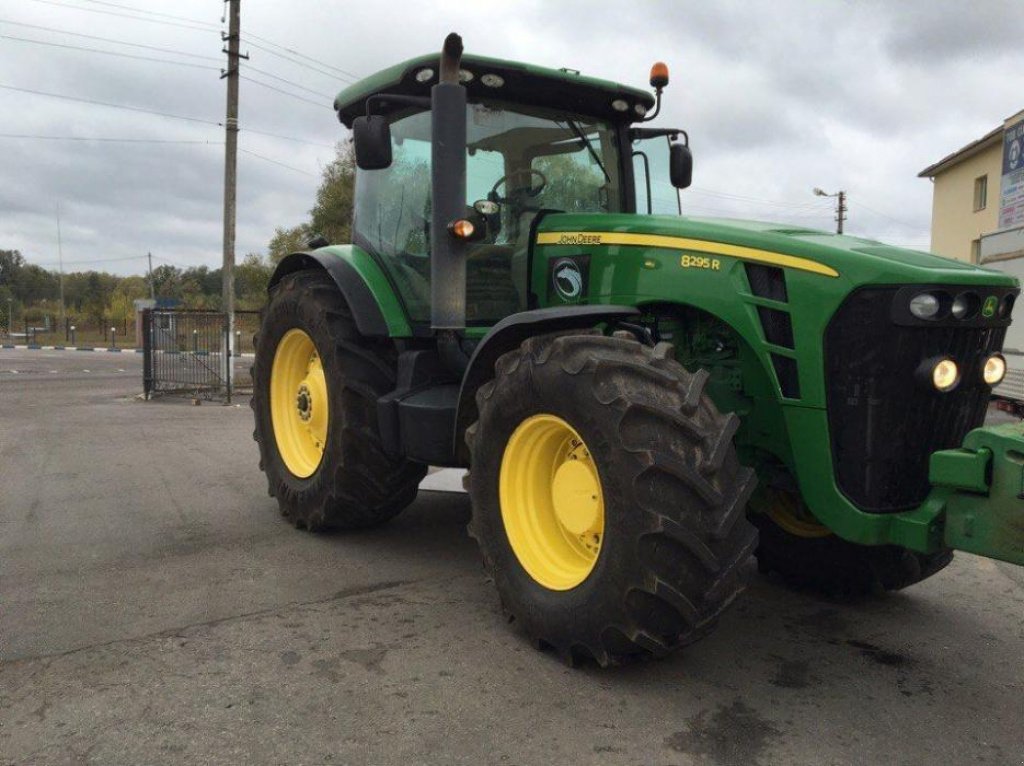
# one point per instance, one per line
(247, 35)
(286, 138)
(285, 92)
(889, 217)
(108, 104)
(111, 140)
(296, 53)
(135, 9)
(292, 60)
(126, 16)
(150, 111)
(92, 261)
(110, 40)
(275, 162)
(774, 203)
(288, 82)
(107, 53)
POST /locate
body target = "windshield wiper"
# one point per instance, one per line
(590, 147)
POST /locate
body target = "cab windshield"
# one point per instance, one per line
(521, 160)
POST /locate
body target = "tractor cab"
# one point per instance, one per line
(537, 141)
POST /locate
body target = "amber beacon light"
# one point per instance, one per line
(659, 75)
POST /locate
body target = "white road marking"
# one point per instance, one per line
(85, 371)
(14, 372)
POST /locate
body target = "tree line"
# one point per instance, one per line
(99, 299)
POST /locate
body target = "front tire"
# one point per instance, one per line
(807, 556)
(648, 560)
(316, 383)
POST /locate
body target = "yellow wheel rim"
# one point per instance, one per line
(787, 513)
(298, 403)
(551, 502)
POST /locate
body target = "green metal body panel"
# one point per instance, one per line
(379, 284)
(985, 517)
(822, 269)
(795, 431)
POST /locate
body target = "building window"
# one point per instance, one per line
(980, 193)
(975, 250)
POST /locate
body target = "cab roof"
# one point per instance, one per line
(523, 83)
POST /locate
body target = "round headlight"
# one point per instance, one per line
(424, 75)
(465, 75)
(925, 306)
(640, 109)
(994, 370)
(965, 305)
(492, 80)
(945, 375)
(619, 105)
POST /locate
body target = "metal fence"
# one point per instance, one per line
(186, 352)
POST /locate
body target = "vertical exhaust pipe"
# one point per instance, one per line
(448, 195)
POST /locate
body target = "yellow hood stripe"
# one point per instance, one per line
(578, 238)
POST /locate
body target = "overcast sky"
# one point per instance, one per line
(778, 97)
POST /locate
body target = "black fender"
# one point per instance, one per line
(365, 310)
(506, 335)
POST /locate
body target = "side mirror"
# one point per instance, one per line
(372, 138)
(680, 165)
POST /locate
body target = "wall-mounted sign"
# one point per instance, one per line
(1011, 203)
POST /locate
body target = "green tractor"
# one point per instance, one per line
(643, 400)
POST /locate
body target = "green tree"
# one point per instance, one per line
(252, 276)
(288, 241)
(331, 215)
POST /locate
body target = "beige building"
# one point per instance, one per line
(978, 196)
(965, 196)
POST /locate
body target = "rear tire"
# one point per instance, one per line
(675, 536)
(356, 484)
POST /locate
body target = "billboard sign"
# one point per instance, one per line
(1011, 203)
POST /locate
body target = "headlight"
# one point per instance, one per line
(995, 369)
(965, 305)
(925, 306)
(941, 373)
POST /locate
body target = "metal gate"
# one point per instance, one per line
(186, 352)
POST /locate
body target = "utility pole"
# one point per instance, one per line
(840, 206)
(152, 288)
(60, 261)
(230, 178)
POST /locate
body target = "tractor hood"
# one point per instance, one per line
(853, 259)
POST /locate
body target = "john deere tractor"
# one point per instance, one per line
(643, 399)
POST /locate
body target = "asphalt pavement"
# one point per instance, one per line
(154, 608)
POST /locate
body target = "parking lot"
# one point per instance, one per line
(156, 609)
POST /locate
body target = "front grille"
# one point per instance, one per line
(884, 423)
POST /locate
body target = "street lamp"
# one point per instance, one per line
(10, 316)
(840, 206)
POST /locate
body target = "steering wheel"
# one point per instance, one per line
(529, 191)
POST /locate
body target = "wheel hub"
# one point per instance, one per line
(299, 403)
(552, 505)
(304, 403)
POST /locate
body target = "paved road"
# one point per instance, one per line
(155, 609)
